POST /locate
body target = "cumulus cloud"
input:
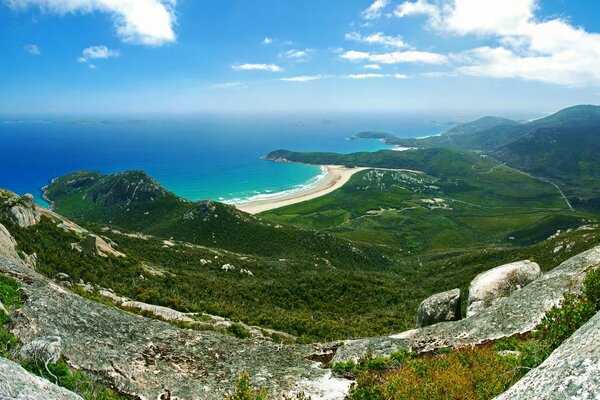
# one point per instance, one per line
(257, 67)
(552, 51)
(375, 9)
(377, 38)
(372, 66)
(97, 52)
(267, 41)
(33, 49)
(147, 22)
(396, 57)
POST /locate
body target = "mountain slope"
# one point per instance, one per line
(134, 201)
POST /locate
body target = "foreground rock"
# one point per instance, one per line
(8, 244)
(20, 210)
(516, 314)
(144, 358)
(491, 285)
(571, 372)
(17, 383)
(439, 308)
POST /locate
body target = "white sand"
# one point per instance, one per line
(336, 177)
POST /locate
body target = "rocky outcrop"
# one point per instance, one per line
(499, 282)
(165, 313)
(518, 313)
(8, 244)
(439, 308)
(16, 383)
(143, 357)
(20, 210)
(571, 372)
(93, 244)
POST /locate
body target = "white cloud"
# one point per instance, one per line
(227, 85)
(33, 49)
(396, 57)
(92, 66)
(372, 66)
(267, 41)
(296, 54)
(375, 9)
(377, 38)
(97, 52)
(305, 78)
(148, 22)
(257, 67)
(552, 51)
(364, 76)
(310, 78)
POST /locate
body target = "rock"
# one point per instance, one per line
(228, 267)
(93, 244)
(8, 244)
(45, 349)
(112, 297)
(571, 372)
(17, 383)
(498, 282)
(516, 314)
(143, 357)
(165, 313)
(20, 210)
(30, 260)
(439, 308)
(61, 276)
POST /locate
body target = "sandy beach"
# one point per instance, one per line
(335, 178)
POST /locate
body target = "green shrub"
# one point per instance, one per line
(244, 390)
(591, 288)
(239, 331)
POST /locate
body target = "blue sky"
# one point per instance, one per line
(285, 56)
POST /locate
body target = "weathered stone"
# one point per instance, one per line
(93, 244)
(516, 314)
(16, 383)
(61, 276)
(439, 308)
(144, 357)
(46, 349)
(7, 245)
(20, 210)
(499, 282)
(168, 314)
(571, 372)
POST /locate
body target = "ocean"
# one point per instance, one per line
(207, 157)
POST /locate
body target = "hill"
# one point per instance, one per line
(132, 200)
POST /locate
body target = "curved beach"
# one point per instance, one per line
(336, 176)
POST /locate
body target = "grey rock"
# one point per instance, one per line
(518, 313)
(499, 282)
(16, 383)
(439, 308)
(571, 372)
(144, 357)
(61, 276)
(20, 210)
(45, 349)
(7, 245)
(93, 244)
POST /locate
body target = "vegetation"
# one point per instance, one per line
(471, 373)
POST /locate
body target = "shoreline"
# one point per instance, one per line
(335, 177)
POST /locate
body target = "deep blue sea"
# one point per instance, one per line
(210, 157)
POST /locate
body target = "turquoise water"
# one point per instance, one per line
(207, 157)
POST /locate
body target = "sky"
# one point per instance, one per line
(284, 56)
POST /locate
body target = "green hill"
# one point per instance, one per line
(134, 201)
